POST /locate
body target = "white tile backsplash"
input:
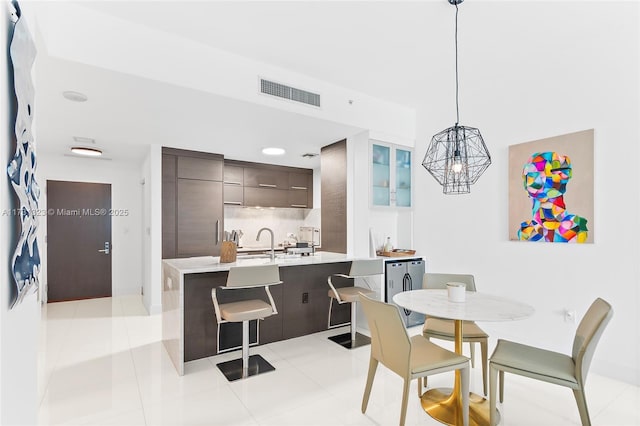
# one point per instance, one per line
(281, 221)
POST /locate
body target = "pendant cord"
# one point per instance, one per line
(456, 43)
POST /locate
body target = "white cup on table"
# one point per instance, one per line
(456, 291)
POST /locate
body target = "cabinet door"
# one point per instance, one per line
(263, 197)
(306, 299)
(168, 206)
(380, 175)
(298, 180)
(233, 175)
(298, 198)
(233, 195)
(265, 178)
(199, 168)
(200, 218)
(403, 178)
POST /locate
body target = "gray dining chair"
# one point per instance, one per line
(443, 329)
(553, 367)
(409, 358)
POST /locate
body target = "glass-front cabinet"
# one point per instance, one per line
(391, 175)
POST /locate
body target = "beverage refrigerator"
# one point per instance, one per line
(404, 275)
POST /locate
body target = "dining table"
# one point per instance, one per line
(445, 404)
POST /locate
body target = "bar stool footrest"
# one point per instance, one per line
(345, 341)
(232, 370)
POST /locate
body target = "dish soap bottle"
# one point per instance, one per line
(387, 246)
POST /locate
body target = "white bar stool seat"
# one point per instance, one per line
(359, 269)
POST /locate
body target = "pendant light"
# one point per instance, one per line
(457, 156)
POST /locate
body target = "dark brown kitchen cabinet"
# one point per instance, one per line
(169, 206)
(300, 181)
(258, 177)
(301, 300)
(233, 175)
(233, 195)
(298, 198)
(199, 168)
(192, 203)
(266, 197)
(200, 212)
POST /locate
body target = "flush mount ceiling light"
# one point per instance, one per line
(273, 151)
(74, 96)
(457, 156)
(89, 152)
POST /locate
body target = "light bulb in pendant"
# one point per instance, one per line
(457, 162)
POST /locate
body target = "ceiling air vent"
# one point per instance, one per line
(288, 92)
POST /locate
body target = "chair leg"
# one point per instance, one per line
(245, 348)
(419, 387)
(353, 321)
(373, 365)
(493, 371)
(464, 382)
(472, 351)
(501, 386)
(405, 400)
(484, 349)
(329, 319)
(582, 406)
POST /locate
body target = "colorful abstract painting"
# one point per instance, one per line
(551, 189)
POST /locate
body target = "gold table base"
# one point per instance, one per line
(446, 407)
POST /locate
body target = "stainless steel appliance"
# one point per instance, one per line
(404, 275)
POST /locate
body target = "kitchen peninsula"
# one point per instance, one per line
(189, 329)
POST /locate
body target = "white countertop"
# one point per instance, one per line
(194, 265)
(476, 307)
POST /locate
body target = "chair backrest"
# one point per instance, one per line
(439, 281)
(253, 276)
(587, 336)
(366, 267)
(390, 343)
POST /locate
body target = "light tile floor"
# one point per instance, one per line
(102, 362)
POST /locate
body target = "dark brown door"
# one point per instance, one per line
(78, 240)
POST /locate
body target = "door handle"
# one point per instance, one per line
(217, 231)
(106, 248)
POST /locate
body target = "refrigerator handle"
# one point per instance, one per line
(409, 282)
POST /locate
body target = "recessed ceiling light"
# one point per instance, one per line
(273, 151)
(75, 96)
(90, 152)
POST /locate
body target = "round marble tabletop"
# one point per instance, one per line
(476, 307)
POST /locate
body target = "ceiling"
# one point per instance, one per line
(378, 48)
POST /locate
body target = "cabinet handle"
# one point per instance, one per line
(230, 182)
(267, 185)
(235, 203)
(298, 205)
(298, 187)
(217, 231)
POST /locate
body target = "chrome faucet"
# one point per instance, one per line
(273, 253)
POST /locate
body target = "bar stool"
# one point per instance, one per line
(245, 311)
(359, 269)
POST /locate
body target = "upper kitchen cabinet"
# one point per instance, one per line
(192, 203)
(391, 175)
(258, 177)
(266, 185)
(233, 185)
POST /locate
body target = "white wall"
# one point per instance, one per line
(19, 326)
(531, 70)
(126, 193)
